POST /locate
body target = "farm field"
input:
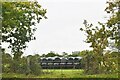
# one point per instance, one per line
(60, 73)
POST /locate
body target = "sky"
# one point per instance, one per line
(61, 31)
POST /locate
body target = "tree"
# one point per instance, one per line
(64, 54)
(18, 27)
(34, 64)
(6, 62)
(23, 66)
(50, 54)
(19, 19)
(113, 22)
(99, 38)
(87, 61)
(43, 55)
(111, 62)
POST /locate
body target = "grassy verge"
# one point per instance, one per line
(57, 73)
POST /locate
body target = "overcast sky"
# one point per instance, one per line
(60, 32)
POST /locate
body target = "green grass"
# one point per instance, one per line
(58, 73)
(64, 73)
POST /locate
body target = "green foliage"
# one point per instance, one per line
(87, 61)
(18, 27)
(64, 54)
(64, 73)
(6, 62)
(110, 64)
(99, 38)
(113, 23)
(19, 65)
(19, 19)
(34, 64)
(51, 54)
(73, 55)
(24, 65)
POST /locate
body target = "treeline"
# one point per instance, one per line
(31, 64)
(64, 54)
(23, 65)
(27, 64)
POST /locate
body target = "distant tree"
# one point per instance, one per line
(43, 55)
(64, 54)
(74, 54)
(51, 54)
(58, 55)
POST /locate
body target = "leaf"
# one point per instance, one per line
(81, 29)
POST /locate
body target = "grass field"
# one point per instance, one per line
(57, 73)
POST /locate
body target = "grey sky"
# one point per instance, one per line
(60, 32)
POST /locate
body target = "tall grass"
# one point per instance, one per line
(60, 73)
